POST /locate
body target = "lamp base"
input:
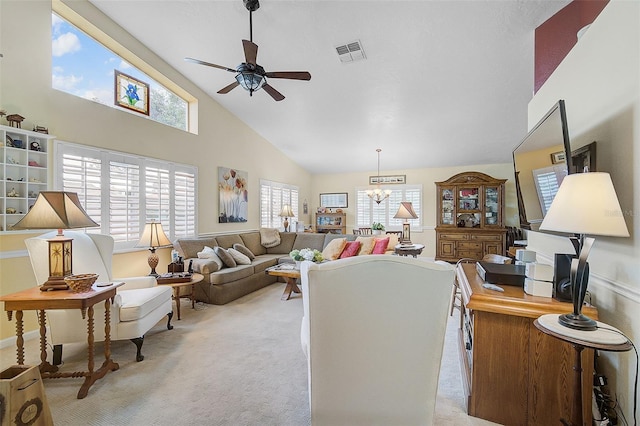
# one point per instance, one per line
(153, 262)
(577, 322)
(54, 283)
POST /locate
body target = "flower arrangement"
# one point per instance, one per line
(377, 226)
(306, 254)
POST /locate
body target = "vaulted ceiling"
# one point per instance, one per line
(444, 83)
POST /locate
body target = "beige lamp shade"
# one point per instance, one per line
(586, 203)
(153, 236)
(56, 210)
(286, 211)
(406, 211)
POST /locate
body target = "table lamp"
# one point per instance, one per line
(286, 213)
(153, 237)
(57, 210)
(406, 212)
(586, 203)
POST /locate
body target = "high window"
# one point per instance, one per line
(273, 196)
(121, 192)
(368, 211)
(84, 67)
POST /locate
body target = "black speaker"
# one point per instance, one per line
(561, 277)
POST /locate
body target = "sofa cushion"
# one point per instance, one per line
(367, 244)
(286, 243)
(269, 237)
(228, 275)
(251, 240)
(207, 266)
(244, 250)
(380, 246)
(226, 258)
(350, 249)
(227, 241)
(188, 248)
(261, 263)
(333, 250)
(328, 237)
(138, 303)
(309, 240)
(240, 258)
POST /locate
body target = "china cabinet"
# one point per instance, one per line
(470, 217)
(334, 223)
(23, 172)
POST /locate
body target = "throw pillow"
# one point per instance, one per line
(207, 266)
(350, 249)
(206, 253)
(333, 250)
(381, 245)
(393, 242)
(225, 257)
(367, 244)
(269, 237)
(244, 250)
(240, 258)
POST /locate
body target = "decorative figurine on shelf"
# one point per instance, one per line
(12, 193)
(41, 129)
(10, 160)
(15, 120)
(32, 194)
(34, 163)
(10, 210)
(34, 180)
(35, 146)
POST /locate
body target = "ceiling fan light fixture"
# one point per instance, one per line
(250, 81)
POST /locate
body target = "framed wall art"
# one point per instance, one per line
(557, 157)
(234, 195)
(376, 180)
(131, 93)
(334, 200)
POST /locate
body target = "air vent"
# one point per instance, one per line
(350, 52)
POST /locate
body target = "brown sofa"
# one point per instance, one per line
(221, 286)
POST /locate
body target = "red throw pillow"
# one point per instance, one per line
(351, 249)
(381, 246)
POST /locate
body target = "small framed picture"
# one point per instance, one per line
(131, 93)
(558, 157)
(334, 200)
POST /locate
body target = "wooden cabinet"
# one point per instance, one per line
(23, 172)
(470, 224)
(332, 223)
(512, 373)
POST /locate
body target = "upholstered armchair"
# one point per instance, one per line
(138, 306)
(373, 334)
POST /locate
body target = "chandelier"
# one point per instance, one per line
(377, 194)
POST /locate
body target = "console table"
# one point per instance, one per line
(33, 299)
(513, 373)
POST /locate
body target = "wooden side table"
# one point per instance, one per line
(195, 279)
(605, 338)
(413, 250)
(35, 300)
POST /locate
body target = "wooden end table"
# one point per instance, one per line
(412, 250)
(290, 275)
(33, 299)
(195, 279)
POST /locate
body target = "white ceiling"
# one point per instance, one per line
(445, 83)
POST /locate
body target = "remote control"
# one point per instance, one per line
(492, 287)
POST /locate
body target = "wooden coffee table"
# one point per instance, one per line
(290, 274)
(195, 279)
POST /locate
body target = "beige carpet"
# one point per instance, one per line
(237, 364)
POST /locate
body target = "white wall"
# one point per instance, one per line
(600, 82)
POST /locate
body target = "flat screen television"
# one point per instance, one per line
(541, 161)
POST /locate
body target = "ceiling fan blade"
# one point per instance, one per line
(228, 88)
(250, 51)
(292, 75)
(197, 61)
(277, 96)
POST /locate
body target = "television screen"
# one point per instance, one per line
(541, 161)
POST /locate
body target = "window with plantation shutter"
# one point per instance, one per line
(122, 191)
(368, 211)
(274, 195)
(547, 181)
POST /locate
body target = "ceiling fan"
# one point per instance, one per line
(249, 74)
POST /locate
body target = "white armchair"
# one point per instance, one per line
(373, 333)
(139, 304)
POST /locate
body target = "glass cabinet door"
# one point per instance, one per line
(491, 206)
(468, 199)
(447, 203)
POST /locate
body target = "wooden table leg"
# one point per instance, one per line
(291, 287)
(19, 337)
(45, 367)
(193, 296)
(176, 297)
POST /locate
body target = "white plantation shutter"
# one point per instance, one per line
(122, 191)
(274, 195)
(547, 181)
(368, 211)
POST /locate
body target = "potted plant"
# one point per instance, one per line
(377, 228)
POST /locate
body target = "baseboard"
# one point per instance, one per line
(11, 341)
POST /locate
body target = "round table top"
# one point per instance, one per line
(195, 278)
(409, 247)
(605, 337)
